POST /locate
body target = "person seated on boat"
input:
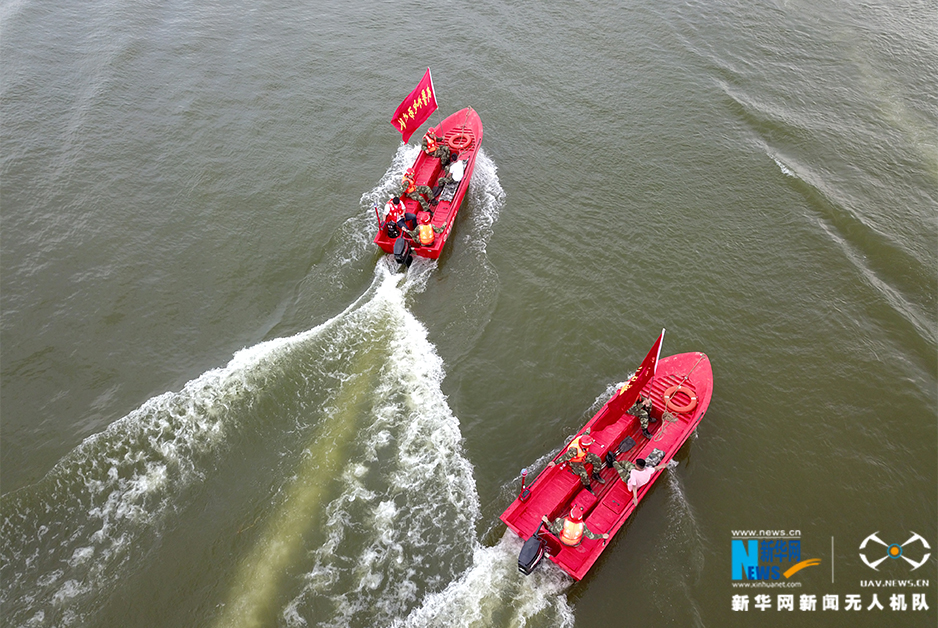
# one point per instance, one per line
(642, 409)
(578, 454)
(420, 193)
(396, 218)
(425, 233)
(571, 528)
(635, 475)
(452, 172)
(394, 209)
(393, 213)
(434, 146)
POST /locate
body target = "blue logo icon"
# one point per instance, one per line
(765, 559)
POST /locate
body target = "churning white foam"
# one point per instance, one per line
(493, 593)
(106, 501)
(399, 543)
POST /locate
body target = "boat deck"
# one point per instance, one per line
(557, 488)
(462, 129)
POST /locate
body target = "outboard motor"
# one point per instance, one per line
(402, 252)
(391, 228)
(532, 552)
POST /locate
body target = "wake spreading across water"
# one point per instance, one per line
(492, 593)
(683, 537)
(68, 540)
(388, 535)
(376, 525)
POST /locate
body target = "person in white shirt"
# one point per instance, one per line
(635, 475)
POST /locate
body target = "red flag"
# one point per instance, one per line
(628, 394)
(416, 108)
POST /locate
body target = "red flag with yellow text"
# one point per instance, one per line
(416, 108)
(628, 394)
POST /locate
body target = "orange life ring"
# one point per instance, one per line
(459, 141)
(673, 407)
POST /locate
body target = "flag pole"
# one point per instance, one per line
(433, 89)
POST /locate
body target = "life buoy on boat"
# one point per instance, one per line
(459, 141)
(674, 407)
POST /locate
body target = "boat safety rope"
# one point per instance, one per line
(693, 397)
(693, 369)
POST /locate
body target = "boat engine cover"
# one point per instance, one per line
(402, 252)
(532, 552)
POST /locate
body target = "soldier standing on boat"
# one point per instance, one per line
(578, 455)
(642, 409)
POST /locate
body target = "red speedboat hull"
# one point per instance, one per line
(556, 488)
(462, 132)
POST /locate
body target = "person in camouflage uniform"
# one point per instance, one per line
(419, 193)
(578, 454)
(415, 233)
(642, 409)
(625, 468)
(434, 146)
(447, 176)
(571, 528)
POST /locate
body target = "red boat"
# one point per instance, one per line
(679, 388)
(462, 132)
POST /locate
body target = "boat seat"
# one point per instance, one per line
(586, 499)
(427, 169)
(610, 436)
(614, 503)
(582, 497)
(564, 486)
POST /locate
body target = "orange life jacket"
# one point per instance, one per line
(572, 532)
(426, 234)
(579, 449)
(431, 143)
(409, 184)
